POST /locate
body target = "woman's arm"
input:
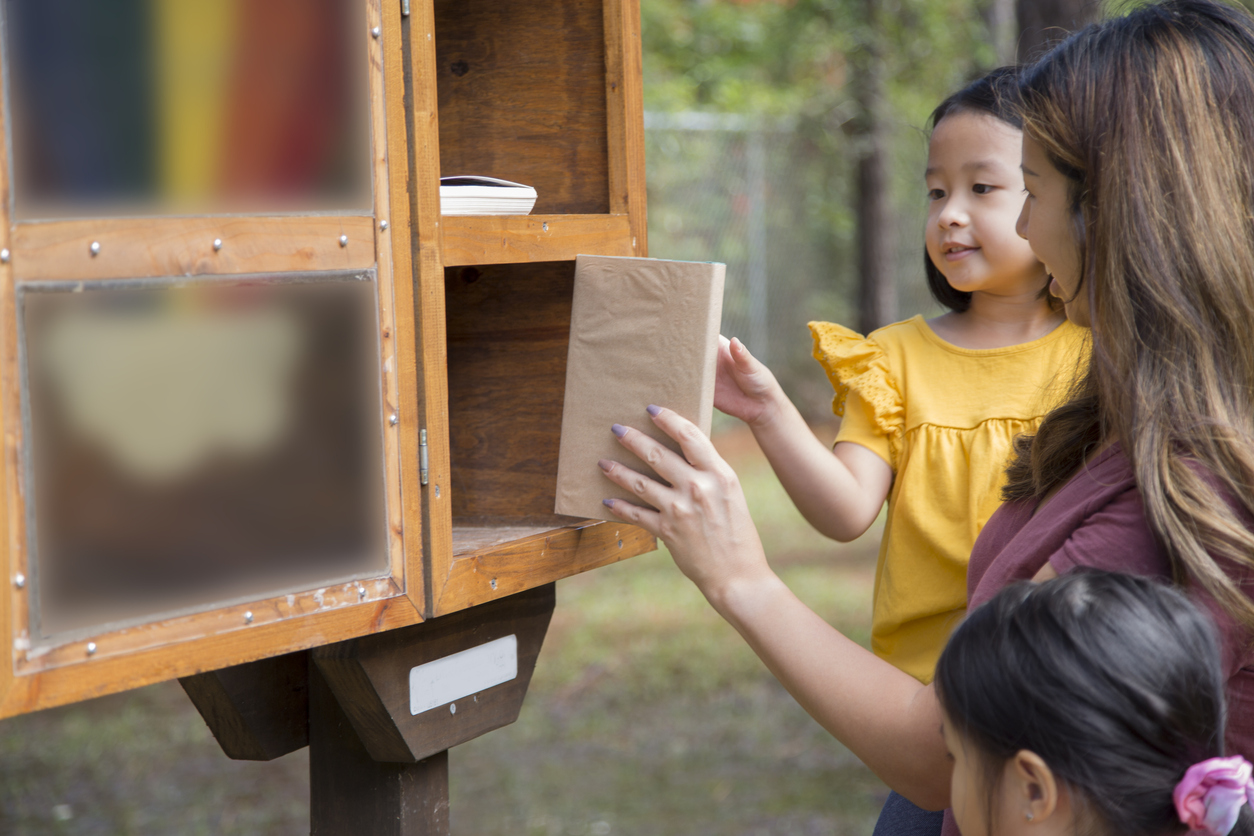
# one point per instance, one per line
(884, 716)
(841, 494)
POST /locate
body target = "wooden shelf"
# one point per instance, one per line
(494, 292)
(511, 239)
(498, 556)
(484, 535)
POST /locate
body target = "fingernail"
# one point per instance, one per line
(618, 430)
(653, 410)
(608, 503)
(605, 464)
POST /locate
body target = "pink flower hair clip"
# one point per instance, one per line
(1210, 796)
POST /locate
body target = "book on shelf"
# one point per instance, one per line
(477, 195)
(642, 331)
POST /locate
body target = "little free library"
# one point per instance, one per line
(273, 425)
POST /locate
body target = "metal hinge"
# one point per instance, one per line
(405, 12)
(422, 456)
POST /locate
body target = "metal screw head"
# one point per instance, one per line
(343, 240)
(545, 226)
(383, 225)
(95, 248)
(217, 244)
(5, 255)
(91, 648)
(375, 32)
(620, 544)
(361, 591)
(393, 419)
(452, 708)
(248, 617)
(19, 580)
(493, 583)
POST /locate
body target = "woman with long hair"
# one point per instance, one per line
(1139, 164)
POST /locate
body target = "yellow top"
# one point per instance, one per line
(945, 419)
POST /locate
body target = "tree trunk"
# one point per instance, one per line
(1043, 23)
(1001, 19)
(877, 291)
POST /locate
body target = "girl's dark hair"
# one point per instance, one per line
(1114, 680)
(1150, 117)
(995, 94)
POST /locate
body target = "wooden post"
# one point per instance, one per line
(351, 793)
(378, 763)
(378, 743)
(257, 711)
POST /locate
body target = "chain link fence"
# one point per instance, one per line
(760, 197)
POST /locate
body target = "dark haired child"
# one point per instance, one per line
(1092, 703)
(931, 407)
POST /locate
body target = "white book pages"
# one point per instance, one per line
(479, 195)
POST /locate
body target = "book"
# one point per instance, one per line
(476, 195)
(643, 331)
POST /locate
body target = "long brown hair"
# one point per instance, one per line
(1151, 117)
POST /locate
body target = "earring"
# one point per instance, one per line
(1028, 815)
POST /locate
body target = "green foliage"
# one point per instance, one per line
(800, 61)
(782, 57)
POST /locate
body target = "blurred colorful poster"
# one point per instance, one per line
(175, 107)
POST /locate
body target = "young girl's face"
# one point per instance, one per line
(975, 194)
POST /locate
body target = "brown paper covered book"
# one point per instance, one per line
(642, 331)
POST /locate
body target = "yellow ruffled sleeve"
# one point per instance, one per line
(867, 398)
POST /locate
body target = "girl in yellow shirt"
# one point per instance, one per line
(930, 408)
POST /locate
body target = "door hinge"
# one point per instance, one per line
(405, 7)
(422, 457)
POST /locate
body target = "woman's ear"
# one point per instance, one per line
(1031, 785)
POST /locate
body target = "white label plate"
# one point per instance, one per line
(462, 674)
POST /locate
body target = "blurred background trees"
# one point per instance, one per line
(788, 139)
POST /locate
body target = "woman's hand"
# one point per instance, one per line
(743, 387)
(883, 715)
(702, 515)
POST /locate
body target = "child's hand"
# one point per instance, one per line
(743, 387)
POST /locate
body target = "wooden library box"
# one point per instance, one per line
(258, 395)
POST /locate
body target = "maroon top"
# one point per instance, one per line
(1097, 520)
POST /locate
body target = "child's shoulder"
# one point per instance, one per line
(893, 342)
(844, 352)
(907, 330)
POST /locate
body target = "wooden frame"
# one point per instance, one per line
(43, 675)
(473, 558)
(471, 240)
(445, 555)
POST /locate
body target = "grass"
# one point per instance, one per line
(647, 715)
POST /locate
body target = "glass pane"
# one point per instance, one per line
(144, 107)
(190, 445)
